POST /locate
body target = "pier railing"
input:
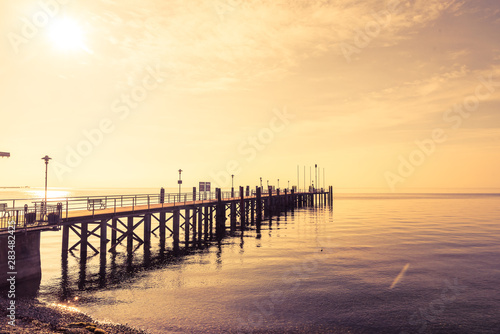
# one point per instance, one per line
(30, 213)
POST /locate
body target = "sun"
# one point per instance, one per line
(67, 35)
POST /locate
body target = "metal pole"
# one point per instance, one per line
(180, 182)
(304, 178)
(316, 175)
(298, 178)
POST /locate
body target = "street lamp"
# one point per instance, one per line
(261, 182)
(180, 182)
(46, 159)
(278, 183)
(288, 185)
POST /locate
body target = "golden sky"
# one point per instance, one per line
(389, 94)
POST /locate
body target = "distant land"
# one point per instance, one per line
(14, 187)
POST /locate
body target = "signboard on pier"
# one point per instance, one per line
(204, 186)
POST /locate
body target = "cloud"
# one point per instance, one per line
(252, 41)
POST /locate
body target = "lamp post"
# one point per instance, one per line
(180, 182)
(46, 159)
(278, 183)
(288, 185)
(232, 185)
(261, 182)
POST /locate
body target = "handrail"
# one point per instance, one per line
(39, 213)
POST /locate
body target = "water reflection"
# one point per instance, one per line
(114, 268)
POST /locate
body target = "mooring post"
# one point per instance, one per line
(147, 230)
(187, 225)
(84, 240)
(65, 238)
(242, 210)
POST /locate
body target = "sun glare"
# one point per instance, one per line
(67, 35)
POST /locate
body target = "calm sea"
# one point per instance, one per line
(371, 263)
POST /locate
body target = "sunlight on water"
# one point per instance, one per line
(51, 194)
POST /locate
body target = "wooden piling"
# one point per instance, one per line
(65, 238)
(206, 221)
(187, 225)
(130, 234)
(232, 214)
(258, 204)
(147, 230)
(200, 223)
(195, 223)
(84, 240)
(175, 227)
(114, 223)
(161, 227)
(104, 239)
(242, 210)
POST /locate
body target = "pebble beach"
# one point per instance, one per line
(33, 316)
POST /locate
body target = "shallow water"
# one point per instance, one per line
(370, 264)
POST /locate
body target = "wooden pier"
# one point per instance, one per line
(132, 220)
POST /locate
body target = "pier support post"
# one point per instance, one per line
(175, 227)
(114, 223)
(200, 223)
(242, 210)
(104, 239)
(211, 221)
(220, 217)
(206, 222)
(130, 234)
(187, 226)
(233, 216)
(162, 229)
(259, 205)
(65, 238)
(195, 223)
(252, 211)
(147, 230)
(278, 202)
(84, 242)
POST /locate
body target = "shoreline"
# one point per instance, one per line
(33, 316)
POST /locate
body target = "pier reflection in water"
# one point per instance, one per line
(109, 270)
